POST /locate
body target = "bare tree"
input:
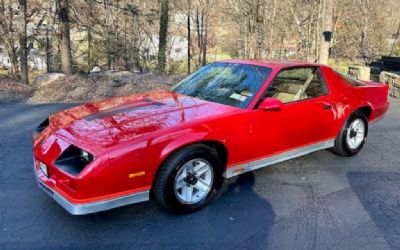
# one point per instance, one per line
(395, 40)
(9, 34)
(123, 34)
(23, 50)
(189, 37)
(272, 27)
(327, 31)
(50, 50)
(65, 43)
(162, 38)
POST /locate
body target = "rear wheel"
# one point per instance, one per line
(189, 179)
(352, 136)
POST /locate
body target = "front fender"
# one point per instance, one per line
(164, 146)
(181, 141)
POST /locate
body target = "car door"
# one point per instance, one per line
(302, 122)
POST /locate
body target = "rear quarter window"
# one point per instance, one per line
(351, 81)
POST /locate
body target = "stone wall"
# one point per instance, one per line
(364, 73)
(360, 72)
(393, 80)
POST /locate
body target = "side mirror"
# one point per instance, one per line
(270, 104)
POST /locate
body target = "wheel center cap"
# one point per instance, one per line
(353, 133)
(191, 179)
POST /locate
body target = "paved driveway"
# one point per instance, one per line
(320, 201)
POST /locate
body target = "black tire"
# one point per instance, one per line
(341, 146)
(164, 183)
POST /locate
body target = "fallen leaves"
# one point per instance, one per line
(76, 89)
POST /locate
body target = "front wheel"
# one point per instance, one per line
(352, 136)
(189, 179)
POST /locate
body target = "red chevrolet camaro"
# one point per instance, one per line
(226, 119)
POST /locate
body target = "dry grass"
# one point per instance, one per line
(83, 88)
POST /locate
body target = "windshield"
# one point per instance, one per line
(226, 83)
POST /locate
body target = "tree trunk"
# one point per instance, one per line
(395, 40)
(50, 60)
(23, 52)
(317, 36)
(108, 18)
(163, 33)
(11, 49)
(199, 29)
(90, 48)
(248, 38)
(65, 45)
(364, 4)
(189, 38)
(13, 71)
(90, 39)
(309, 35)
(259, 32)
(49, 51)
(137, 64)
(116, 42)
(204, 43)
(271, 30)
(109, 56)
(326, 37)
(125, 43)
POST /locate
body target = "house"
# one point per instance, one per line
(284, 50)
(35, 61)
(4, 61)
(177, 47)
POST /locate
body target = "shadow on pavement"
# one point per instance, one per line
(238, 218)
(379, 194)
(29, 218)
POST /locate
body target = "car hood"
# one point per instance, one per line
(111, 122)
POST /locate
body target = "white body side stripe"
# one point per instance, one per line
(243, 168)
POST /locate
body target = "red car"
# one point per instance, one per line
(226, 119)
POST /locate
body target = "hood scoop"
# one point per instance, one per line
(145, 104)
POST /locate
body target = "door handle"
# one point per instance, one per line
(327, 106)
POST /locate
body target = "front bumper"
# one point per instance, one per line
(88, 208)
(54, 185)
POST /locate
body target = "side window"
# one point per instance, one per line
(296, 84)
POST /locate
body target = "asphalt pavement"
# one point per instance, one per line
(319, 201)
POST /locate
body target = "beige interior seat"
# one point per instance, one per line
(301, 94)
(287, 92)
(285, 97)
